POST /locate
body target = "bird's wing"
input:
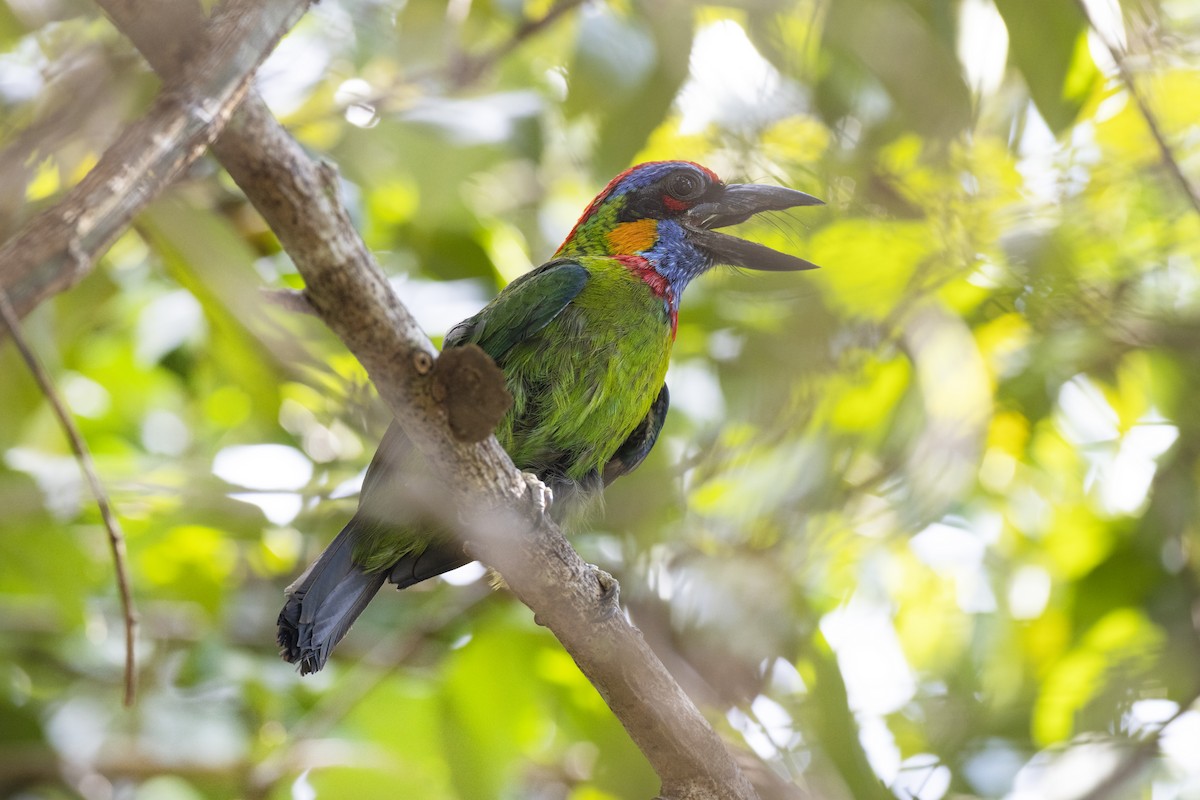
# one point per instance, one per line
(526, 305)
(637, 445)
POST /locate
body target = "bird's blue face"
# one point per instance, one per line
(659, 219)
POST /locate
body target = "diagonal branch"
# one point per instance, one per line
(298, 198)
(55, 249)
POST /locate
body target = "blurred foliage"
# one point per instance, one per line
(923, 523)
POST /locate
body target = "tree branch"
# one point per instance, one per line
(298, 199)
(55, 249)
(116, 539)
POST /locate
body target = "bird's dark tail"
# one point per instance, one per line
(324, 602)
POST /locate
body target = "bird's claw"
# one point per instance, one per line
(610, 594)
(539, 493)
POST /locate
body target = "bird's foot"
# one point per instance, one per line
(539, 493)
(610, 594)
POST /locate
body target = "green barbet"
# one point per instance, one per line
(584, 341)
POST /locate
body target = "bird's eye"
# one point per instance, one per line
(685, 185)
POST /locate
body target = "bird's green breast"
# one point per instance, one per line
(582, 383)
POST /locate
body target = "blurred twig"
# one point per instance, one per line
(1168, 157)
(59, 116)
(462, 70)
(1144, 749)
(116, 540)
(293, 300)
(55, 249)
(466, 69)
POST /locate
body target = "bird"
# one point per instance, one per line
(584, 341)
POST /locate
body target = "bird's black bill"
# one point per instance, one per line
(738, 203)
(737, 252)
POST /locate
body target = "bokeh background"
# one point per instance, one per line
(922, 523)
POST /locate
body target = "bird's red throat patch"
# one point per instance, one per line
(657, 283)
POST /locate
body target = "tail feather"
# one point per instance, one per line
(324, 602)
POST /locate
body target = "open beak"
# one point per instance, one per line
(738, 203)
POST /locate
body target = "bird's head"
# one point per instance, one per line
(659, 218)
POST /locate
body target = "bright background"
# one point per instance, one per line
(925, 519)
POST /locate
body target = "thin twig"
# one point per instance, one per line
(470, 68)
(116, 540)
(461, 72)
(294, 300)
(1144, 749)
(1168, 157)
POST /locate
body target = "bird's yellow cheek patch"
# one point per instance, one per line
(633, 237)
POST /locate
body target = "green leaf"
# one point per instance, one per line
(1047, 43)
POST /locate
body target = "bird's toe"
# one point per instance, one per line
(539, 493)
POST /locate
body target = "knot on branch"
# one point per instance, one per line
(609, 604)
(469, 385)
